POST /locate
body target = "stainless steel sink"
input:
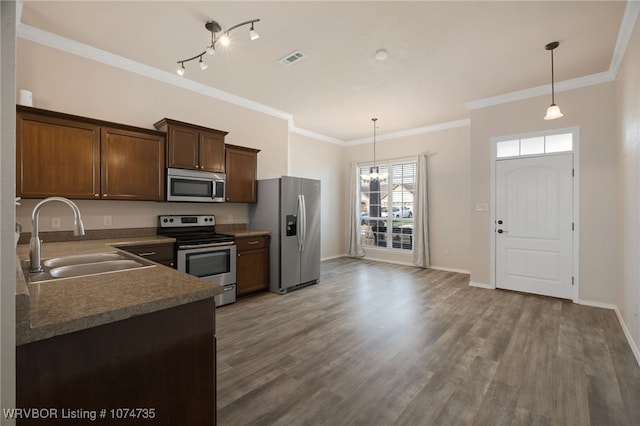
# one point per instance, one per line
(85, 264)
(93, 268)
(83, 258)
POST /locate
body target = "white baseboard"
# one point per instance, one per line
(597, 304)
(444, 268)
(338, 256)
(481, 285)
(625, 329)
(627, 334)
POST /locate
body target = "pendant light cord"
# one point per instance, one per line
(553, 92)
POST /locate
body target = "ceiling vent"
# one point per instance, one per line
(292, 57)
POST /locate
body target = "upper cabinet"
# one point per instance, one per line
(76, 157)
(193, 147)
(242, 166)
(132, 165)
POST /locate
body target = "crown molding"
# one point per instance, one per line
(561, 86)
(412, 132)
(317, 136)
(64, 44)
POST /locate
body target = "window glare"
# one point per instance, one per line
(532, 146)
(559, 143)
(508, 148)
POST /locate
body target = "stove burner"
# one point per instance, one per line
(191, 230)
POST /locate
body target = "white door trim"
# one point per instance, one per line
(576, 200)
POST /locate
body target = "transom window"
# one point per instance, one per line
(534, 146)
(386, 206)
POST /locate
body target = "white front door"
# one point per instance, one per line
(534, 225)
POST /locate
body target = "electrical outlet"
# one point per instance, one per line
(446, 252)
(56, 222)
(108, 221)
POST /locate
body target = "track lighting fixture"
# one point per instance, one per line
(553, 111)
(217, 36)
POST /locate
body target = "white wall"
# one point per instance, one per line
(592, 110)
(7, 211)
(448, 184)
(314, 159)
(627, 108)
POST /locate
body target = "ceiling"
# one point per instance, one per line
(441, 55)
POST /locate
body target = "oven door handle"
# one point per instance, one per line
(197, 246)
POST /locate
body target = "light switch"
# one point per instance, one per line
(482, 207)
(108, 221)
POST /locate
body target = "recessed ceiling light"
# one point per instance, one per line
(382, 54)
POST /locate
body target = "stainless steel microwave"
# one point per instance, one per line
(195, 186)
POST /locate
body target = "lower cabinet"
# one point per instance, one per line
(162, 253)
(153, 369)
(252, 265)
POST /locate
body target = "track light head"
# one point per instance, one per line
(253, 34)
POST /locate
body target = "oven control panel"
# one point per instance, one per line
(172, 221)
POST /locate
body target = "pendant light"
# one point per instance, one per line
(374, 174)
(553, 111)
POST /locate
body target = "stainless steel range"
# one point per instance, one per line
(201, 252)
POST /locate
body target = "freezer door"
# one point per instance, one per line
(310, 256)
(289, 244)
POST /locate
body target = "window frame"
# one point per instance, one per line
(398, 242)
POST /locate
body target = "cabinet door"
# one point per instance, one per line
(56, 157)
(162, 253)
(241, 166)
(182, 152)
(252, 267)
(211, 147)
(132, 165)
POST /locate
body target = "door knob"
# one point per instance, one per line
(500, 222)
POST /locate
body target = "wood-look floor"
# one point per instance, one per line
(381, 344)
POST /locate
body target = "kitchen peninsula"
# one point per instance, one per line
(141, 338)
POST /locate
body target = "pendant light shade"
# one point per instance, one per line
(553, 111)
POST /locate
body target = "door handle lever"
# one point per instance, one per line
(500, 231)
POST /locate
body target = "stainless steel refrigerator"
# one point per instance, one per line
(289, 207)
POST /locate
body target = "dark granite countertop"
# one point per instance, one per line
(50, 308)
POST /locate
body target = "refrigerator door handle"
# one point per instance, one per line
(304, 221)
(299, 224)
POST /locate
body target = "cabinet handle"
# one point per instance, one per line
(253, 242)
(149, 253)
(104, 195)
(96, 195)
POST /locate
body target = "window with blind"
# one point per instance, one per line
(386, 206)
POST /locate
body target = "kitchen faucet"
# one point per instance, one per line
(34, 243)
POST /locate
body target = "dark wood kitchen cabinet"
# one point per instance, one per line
(162, 365)
(252, 264)
(193, 147)
(82, 158)
(56, 156)
(130, 165)
(162, 253)
(242, 172)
